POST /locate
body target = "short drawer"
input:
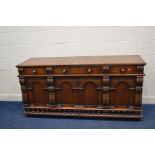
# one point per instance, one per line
(77, 70)
(33, 71)
(123, 70)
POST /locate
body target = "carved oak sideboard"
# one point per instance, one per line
(89, 86)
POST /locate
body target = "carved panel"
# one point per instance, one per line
(81, 90)
(121, 94)
(37, 86)
(41, 97)
(64, 95)
(122, 91)
(90, 95)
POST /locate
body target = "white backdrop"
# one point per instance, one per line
(20, 43)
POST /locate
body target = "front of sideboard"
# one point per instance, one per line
(82, 90)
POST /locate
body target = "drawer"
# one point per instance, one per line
(77, 70)
(123, 70)
(33, 71)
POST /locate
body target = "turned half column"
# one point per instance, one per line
(106, 88)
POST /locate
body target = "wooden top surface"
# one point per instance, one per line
(84, 60)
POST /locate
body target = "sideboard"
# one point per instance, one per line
(83, 86)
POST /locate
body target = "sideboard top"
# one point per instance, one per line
(84, 60)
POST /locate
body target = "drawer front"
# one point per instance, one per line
(60, 70)
(77, 70)
(123, 70)
(33, 71)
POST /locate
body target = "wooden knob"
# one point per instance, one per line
(89, 70)
(34, 71)
(123, 70)
(64, 71)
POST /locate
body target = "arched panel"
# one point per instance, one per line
(90, 94)
(121, 95)
(41, 97)
(64, 95)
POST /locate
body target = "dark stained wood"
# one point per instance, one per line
(64, 94)
(122, 91)
(37, 93)
(90, 97)
(92, 86)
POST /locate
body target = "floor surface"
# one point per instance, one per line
(11, 117)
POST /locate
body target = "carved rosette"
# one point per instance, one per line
(138, 93)
(106, 90)
(50, 88)
(22, 82)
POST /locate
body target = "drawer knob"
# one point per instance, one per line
(64, 71)
(123, 70)
(89, 70)
(34, 71)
